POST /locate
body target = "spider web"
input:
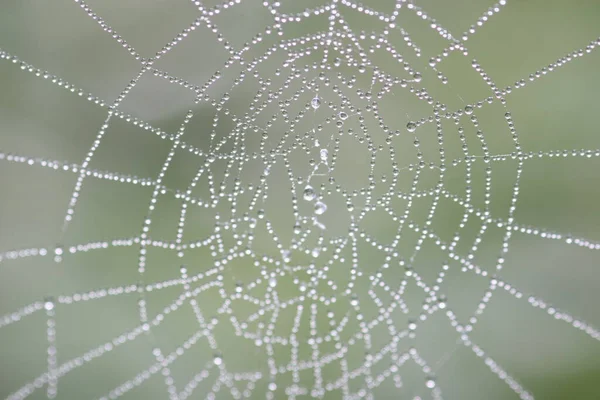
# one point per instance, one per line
(301, 226)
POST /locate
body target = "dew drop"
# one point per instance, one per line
(315, 102)
(412, 325)
(442, 302)
(411, 127)
(286, 256)
(297, 229)
(323, 154)
(239, 287)
(272, 386)
(272, 281)
(49, 304)
(309, 193)
(417, 77)
(58, 253)
(469, 109)
(217, 359)
(430, 382)
(320, 208)
(343, 116)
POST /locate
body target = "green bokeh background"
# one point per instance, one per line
(41, 120)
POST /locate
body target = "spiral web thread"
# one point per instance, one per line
(340, 47)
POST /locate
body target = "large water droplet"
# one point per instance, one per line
(286, 254)
(58, 253)
(412, 325)
(320, 207)
(324, 153)
(217, 359)
(442, 302)
(417, 77)
(343, 116)
(49, 304)
(430, 382)
(297, 229)
(468, 109)
(411, 126)
(239, 286)
(309, 193)
(315, 102)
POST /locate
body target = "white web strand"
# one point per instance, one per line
(295, 50)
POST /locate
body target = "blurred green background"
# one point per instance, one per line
(41, 120)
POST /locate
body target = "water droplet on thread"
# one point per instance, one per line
(417, 77)
(469, 109)
(286, 254)
(320, 208)
(430, 382)
(309, 193)
(49, 304)
(217, 359)
(412, 325)
(343, 116)
(58, 253)
(442, 302)
(297, 229)
(324, 153)
(315, 102)
(411, 127)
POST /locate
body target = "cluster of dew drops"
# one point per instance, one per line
(309, 194)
